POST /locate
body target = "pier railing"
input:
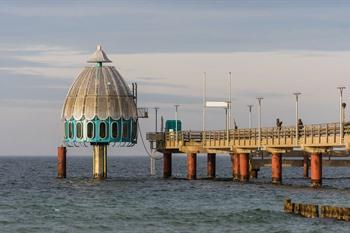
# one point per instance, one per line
(316, 135)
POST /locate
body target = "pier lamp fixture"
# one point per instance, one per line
(176, 119)
(341, 112)
(229, 100)
(250, 107)
(297, 94)
(204, 100)
(259, 102)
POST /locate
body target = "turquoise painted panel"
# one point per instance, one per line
(170, 125)
(101, 131)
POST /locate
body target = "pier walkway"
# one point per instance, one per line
(240, 143)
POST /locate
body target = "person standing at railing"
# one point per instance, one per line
(235, 124)
(279, 124)
(300, 127)
(343, 105)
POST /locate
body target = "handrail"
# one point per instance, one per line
(269, 135)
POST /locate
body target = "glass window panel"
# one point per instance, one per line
(114, 129)
(70, 133)
(79, 130)
(103, 129)
(66, 129)
(125, 129)
(90, 130)
(134, 129)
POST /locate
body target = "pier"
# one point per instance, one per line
(310, 140)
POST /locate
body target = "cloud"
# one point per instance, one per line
(27, 104)
(31, 48)
(47, 72)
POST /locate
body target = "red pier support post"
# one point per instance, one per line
(244, 167)
(235, 166)
(167, 166)
(61, 161)
(316, 169)
(191, 166)
(306, 166)
(276, 168)
(211, 165)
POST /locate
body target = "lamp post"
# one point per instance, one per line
(259, 102)
(250, 106)
(229, 100)
(297, 94)
(153, 160)
(341, 118)
(176, 119)
(204, 99)
(156, 118)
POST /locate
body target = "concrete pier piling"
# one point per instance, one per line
(99, 161)
(61, 162)
(191, 166)
(211, 165)
(276, 168)
(167, 166)
(244, 167)
(105, 161)
(316, 170)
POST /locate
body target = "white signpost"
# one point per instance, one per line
(217, 104)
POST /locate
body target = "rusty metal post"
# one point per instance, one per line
(191, 166)
(61, 161)
(211, 165)
(167, 167)
(276, 168)
(306, 166)
(316, 169)
(244, 167)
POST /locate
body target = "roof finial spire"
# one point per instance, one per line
(99, 56)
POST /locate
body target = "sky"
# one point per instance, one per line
(272, 48)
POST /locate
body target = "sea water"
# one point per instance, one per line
(130, 200)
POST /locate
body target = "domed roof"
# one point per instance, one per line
(99, 91)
